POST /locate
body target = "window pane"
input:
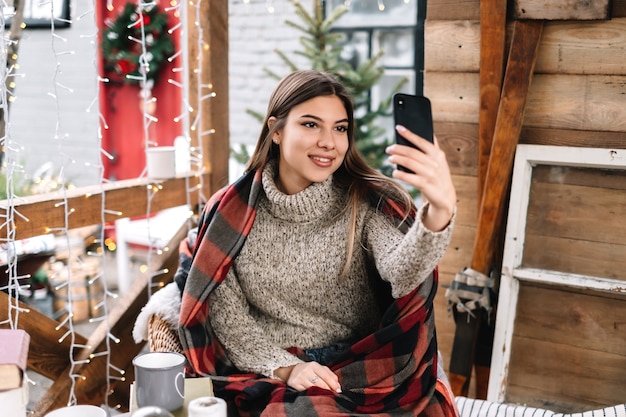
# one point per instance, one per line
(390, 79)
(355, 48)
(376, 12)
(398, 46)
(384, 89)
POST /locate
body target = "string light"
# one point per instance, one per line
(66, 281)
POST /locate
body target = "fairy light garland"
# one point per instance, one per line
(13, 283)
(12, 148)
(201, 96)
(102, 305)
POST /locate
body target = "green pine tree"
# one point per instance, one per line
(323, 47)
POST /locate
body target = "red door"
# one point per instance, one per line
(124, 135)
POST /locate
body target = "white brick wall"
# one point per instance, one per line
(36, 116)
(255, 33)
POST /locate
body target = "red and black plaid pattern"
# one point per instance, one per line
(392, 372)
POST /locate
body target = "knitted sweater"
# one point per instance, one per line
(285, 289)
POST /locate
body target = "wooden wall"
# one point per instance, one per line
(577, 98)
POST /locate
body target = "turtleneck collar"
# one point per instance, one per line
(316, 201)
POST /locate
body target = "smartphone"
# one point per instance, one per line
(413, 112)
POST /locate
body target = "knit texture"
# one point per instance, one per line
(285, 287)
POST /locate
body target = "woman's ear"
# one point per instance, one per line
(275, 135)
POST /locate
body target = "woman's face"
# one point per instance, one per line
(313, 143)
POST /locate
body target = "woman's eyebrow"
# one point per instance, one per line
(312, 116)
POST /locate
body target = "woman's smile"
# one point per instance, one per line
(324, 162)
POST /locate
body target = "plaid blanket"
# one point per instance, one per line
(390, 372)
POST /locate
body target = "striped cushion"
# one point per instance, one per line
(470, 407)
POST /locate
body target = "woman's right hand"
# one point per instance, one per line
(305, 375)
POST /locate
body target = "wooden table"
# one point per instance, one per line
(194, 388)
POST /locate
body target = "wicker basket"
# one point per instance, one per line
(161, 336)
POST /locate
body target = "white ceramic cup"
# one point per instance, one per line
(78, 411)
(160, 380)
(161, 162)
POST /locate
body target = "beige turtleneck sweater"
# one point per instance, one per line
(284, 287)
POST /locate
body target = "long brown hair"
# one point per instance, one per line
(361, 181)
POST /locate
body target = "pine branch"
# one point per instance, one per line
(303, 14)
(286, 60)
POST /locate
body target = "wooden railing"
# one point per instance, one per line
(39, 214)
(51, 358)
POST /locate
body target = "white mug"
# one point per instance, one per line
(160, 380)
(161, 162)
(78, 411)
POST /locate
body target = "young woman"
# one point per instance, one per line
(309, 282)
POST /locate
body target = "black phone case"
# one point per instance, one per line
(414, 113)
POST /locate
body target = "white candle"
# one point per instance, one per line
(207, 407)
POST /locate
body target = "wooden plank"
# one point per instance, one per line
(580, 102)
(41, 213)
(492, 50)
(208, 51)
(453, 10)
(557, 375)
(570, 280)
(573, 138)
(584, 257)
(561, 9)
(576, 102)
(562, 338)
(612, 179)
(583, 48)
(566, 47)
(444, 323)
(459, 142)
(454, 96)
(452, 45)
(562, 210)
(589, 320)
(561, 235)
(459, 253)
(46, 355)
(467, 210)
(567, 406)
(515, 89)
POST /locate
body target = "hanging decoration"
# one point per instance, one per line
(136, 44)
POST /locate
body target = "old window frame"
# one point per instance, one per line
(37, 14)
(373, 30)
(526, 158)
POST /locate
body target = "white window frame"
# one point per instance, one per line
(526, 158)
(41, 13)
